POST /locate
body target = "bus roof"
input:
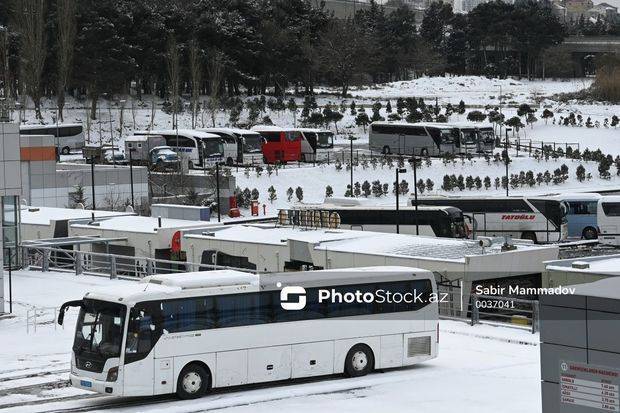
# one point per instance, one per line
(180, 132)
(230, 130)
(191, 284)
(421, 199)
(586, 196)
(51, 126)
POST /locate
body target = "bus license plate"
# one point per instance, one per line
(85, 383)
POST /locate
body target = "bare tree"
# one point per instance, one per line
(134, 111)
(341, 52)
(29, 20)
(195, 72)
(172, 64)
(153, 111)
(66, 12)
(215, 67)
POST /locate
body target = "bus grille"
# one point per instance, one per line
(419, 346)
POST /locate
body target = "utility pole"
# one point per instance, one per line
(351, 138)
(217, 189)
(415, 193)
(398, 170)
(131, 177)
(92, 180)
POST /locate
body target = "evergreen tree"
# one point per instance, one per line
(272, 194)
(299, 194)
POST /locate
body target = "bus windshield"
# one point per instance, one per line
(448, 136)
(325, 139)
(213, 147)
(487, 136)
(99, 329)
(252, 143)
(469, 136)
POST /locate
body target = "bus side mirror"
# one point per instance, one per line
(65, 307)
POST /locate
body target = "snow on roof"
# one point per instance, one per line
(399, 245)
(601, 265)
(605, 288)
(180, 132)
(53, 125)
(141, 224)
(44, 215)
(365, 242)
(203, 279)
(268, 234)
(586, 196)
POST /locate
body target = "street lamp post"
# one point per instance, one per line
(507, 160)
(402, 171)
(415, 192)
(92, 180)
(352, 138)
(217, 189)
(131, 177)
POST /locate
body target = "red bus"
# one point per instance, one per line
(279, 145)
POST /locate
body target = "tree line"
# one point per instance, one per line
(176, 49)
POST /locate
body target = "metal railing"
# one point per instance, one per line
(112, 265)
(41, 316)
(488, 309)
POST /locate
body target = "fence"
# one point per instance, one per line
(41, 316)
(489, 309)
(112, 265)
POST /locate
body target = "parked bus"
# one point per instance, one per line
(412, 138)
(314, 140)
(582, 214)
(280, 145)
(188, 333)
(68, 137)
(541, 219)
(608, 218)
(192, 145)
(475, 137)
(430, 221)
(248, 142)
(233, 148)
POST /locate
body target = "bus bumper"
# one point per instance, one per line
(98, 386)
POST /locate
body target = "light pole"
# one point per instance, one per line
(131, 176)
(57, 137)
(402, 171)
(507, 160)
(352, 138)
(92, 180)
(217, 189)
(414, 162)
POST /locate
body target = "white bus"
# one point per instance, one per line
(68, 137)
(608, 219)
(192, 145)
(188, 333)
(248, 142)
(429, 139)
(313, 141)
(539, 219)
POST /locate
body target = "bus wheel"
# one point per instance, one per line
(229, 161)
(360, 361)
(66, 150)
(424, 152)
(589, 233)
(386, 150)
(193, 382)
(190, 165)
(529, 235)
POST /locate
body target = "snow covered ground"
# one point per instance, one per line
(475, 91)
(481, 368)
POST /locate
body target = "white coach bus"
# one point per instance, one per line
(540, 219)
(188, 333)
(608, 219)
(68, 137)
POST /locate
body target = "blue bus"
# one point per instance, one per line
(581, 215)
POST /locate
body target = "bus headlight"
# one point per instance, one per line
(112, 374)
